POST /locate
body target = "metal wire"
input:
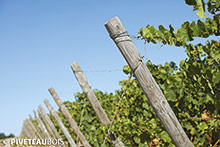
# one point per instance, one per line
(116, 111)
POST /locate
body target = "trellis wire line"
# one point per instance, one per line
(81, 116)
(99, 101)
(133, 37)
(117, 109)
(104, 70)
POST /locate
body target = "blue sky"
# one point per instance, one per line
(39, 39)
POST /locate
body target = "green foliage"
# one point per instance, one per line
(213, 6)
(192, 90)
(188, 92)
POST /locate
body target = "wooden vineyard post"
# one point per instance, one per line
(146, 81)
(33, 127)
(83, 82)
(46, 125)
(30, 117)
(89, 93)
(28, 129)
(61, 125)
(48, 121)
(41, 125)
(24, 132)
(69, 118)
(39, 130)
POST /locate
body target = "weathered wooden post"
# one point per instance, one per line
(41, 126)
(30, 117)
(69, 118)
(83, 82)
(146, 81)
(61, 125)
(28, 129)
(26, 132)
(23, 132)
(33, 127)
(39, 130)
(48, 121)
(46, 125)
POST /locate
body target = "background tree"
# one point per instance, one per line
(3, 136)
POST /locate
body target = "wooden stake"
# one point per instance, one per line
(83, 82)
(27, 133)
(23, 132)
(61, 125)
(46, 125)
(28, 130)
(47, 120)
(34, 128)
(30, 117)
(69, 118)
(42, 127)
(146, 81)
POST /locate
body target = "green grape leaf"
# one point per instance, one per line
(201, 8)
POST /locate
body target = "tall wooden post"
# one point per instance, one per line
(69, 118)
(46, 125)
(33, 127)
(48, 121)
(83, 82)
(61, 125)
(23, 132)
(28, 130)
(146, 81)
(39, 130)
(41, 125)
(30, 117)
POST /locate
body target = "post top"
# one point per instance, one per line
(115, 28)
(112, 19)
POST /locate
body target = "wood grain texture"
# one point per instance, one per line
(83, 82)
(23, 134)
(69, 118)
(48, 121)
(42, 126)
(146, 81)
(28, 130)
(50, 131)
(60, 124)
(37, 132)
